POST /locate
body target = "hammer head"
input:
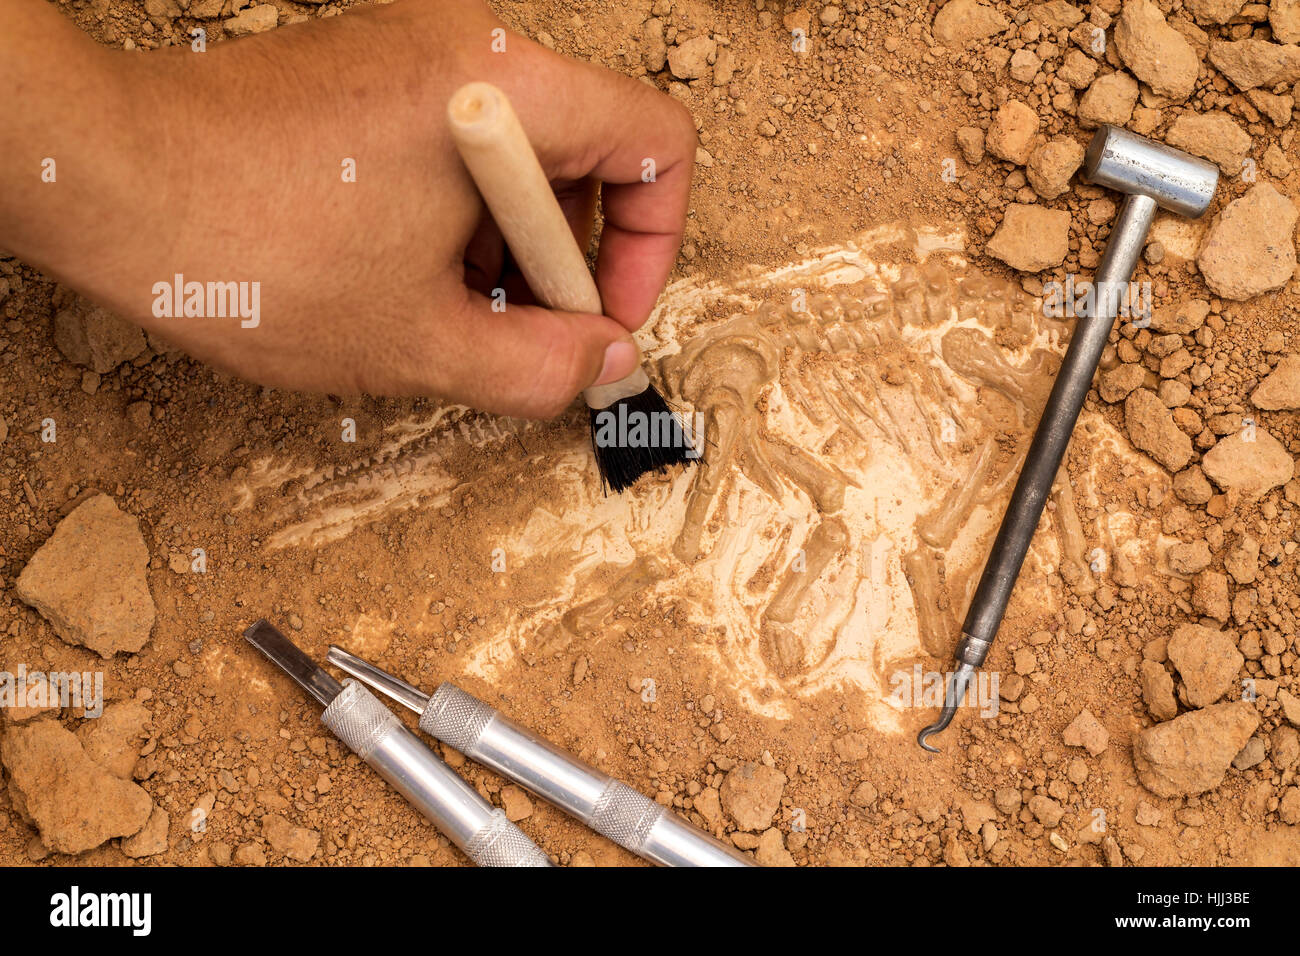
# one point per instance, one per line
(1129, 163)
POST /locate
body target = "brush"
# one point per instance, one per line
(633, 431)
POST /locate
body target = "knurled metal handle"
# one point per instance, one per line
(358, 719)
(501, 843)
(456, 718)
(625, 815)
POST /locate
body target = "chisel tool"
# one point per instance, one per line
(611, 808)
(372, 732)
(1151, 175)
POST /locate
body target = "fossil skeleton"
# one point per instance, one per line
(859, 442)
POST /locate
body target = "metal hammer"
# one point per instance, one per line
(1150, 174)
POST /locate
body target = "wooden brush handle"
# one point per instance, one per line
(504, 167)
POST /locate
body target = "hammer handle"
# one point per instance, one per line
(1052, 436)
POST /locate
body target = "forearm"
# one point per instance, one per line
(67, 144)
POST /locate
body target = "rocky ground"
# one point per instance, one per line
(1152, 720)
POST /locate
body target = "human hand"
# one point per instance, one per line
(228, 166)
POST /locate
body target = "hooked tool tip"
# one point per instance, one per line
(932, 729)
(955, 691)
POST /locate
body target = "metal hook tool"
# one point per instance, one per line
(970, 656)
(1152, 175)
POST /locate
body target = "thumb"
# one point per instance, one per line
(528, 361)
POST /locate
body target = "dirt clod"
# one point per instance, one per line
(751, 794)
(1281, 389)
(1190, 754)
(1157, 54)
(963, 22)
(74, 803)
(1031, 238)
(1151, 428)
(297, 843)
(1250, 247)
(1250, 461)
(1207, 661)
(1012, 133)
(88, 580)
(1087, 732)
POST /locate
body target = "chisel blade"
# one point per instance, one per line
(285, 654)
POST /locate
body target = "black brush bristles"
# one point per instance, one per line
(636, 435)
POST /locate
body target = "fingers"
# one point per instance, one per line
(586, 124)
(525, 361)
(588, 121)
(487, 261)
(633, 263)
